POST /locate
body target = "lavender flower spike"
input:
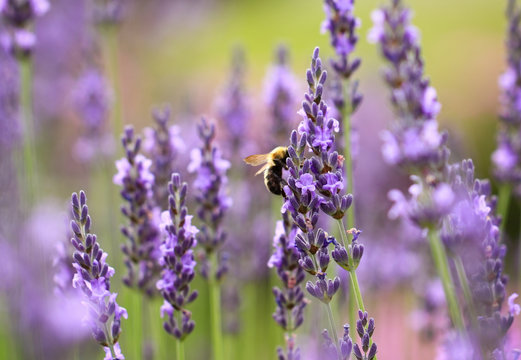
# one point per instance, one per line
(162, 143)
(290, 300)
(92, 277)
(344, 349)
(177, 260)
(280, 88)
(506, 158)
(142, 232)
(414, 140)
(18, 15)
(92, 100)
(365, 329)
(211, 197)
(341, 24)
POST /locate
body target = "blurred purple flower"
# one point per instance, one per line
(108, 12)
(513, 308)
(162, 144)
(142, 229)
(18, 16)
(232, 106)
(92, 277)
(280, 95)
(414, 139)
(211, 197)
(93, 101)
(505, 159)
(9, 126)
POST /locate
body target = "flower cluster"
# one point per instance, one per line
(162, 143)
(414, 139)
(136, 180)
(341, 24)
(471, 232)
(315, 184)
(445, 198)
(18, 16)
(92, 277)
(211, 197)
(285, 259)
(344, 349)
(280, 88)
(365, 330)
(93, 100)
(232, 105)
(177, 260)
(508, 152)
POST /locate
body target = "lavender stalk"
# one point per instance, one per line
(213, 203)
(141, 230)
(20, 41)
(414, 142)
(290, 299)
(92, 277)
(178, 264)
(341, 24)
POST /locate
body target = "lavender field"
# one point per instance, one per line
(248, 179)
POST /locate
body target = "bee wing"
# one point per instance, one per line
(256, 160)
(262, 169)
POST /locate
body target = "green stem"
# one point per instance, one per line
(147, 342)
(442, 267)
(180, 350)
(463, 279)
(110, 42)
(215, 311)
(26, 112)
(503, 202)
(356, 290)
(348, 161)
(332, 325)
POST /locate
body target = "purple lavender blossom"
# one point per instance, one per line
(92, 277)
(507, 168)
(108, 12)
(444, 197)
(341, 24)
(290, 300)
(93, 100)
(211, 197)
(9, 126)
(343, 350)
(279, 88)
(472, 232)
(177, 261)
(19, 16)
(162, 143)
(142, 249)
(414, 140)
(233, 104)
(365, 329)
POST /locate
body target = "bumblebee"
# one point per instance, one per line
(274, 162)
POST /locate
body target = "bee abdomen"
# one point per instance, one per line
(273, 178)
